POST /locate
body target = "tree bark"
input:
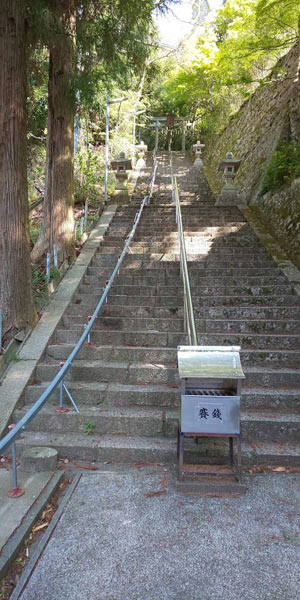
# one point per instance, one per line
(16, 300)
(58, 217)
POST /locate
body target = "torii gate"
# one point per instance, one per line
(158, 122)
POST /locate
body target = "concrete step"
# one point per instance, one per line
(124, 449)
(210, 289)
(174, 339)
(256, 426)
(130, 372)
(203, 275)
(126, 385)
(258, 326)
(143, 421)
(159, 395)
(219, 312)
(168, 356)
(111, 394)
(207, 261)
(131, 324)
(122, 338)
(200, 301)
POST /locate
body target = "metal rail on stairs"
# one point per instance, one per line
(189, 319)
(10, 439)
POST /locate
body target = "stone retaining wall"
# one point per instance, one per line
(272, 114)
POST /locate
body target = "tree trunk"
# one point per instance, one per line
(58, 217)
(16, 301)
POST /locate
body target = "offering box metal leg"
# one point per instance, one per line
(231, 450)
(239, 457)
(180, 453)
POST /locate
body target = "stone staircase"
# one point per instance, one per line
(126, 383)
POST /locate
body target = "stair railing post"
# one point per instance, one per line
(15, 492)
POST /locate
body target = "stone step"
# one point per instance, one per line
(167, 222)
(161, 260)
(256, 426)
(131, 324)
(174, 339)
(193, 229)
(235, 275)
(210, 289)
(168, 356)
(160, 395)
(126, 385)
(258, 326)
(200, 301)
(196, 238)
(219, 312)
(127, 449)
(210, 261)
(130, 372)
(122, 338)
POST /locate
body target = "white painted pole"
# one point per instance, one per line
(55, 261)
(133, 138)
(156, 137)
(48, 267)
(86, 210)
(81, 225)
(183, 137)
(106, 148)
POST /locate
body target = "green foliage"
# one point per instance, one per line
(39, 285)
(87, 175)
(34, 230)
(54, 273)
(37, 100)
(36, 171)
(282, 168)
(235, 53)
(89, 428)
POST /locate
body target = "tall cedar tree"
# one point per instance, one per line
(16, 301)
(58, 216)
(111, 36)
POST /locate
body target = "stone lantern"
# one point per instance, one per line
(197, 148)
(229, 195)
(142, 149)
(120, 166)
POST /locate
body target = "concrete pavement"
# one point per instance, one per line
(127, 534)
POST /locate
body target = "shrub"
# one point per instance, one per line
(282, 168)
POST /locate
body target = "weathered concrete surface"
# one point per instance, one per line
(17, 515)
(35, 460)
(128, 535)
(21, 371)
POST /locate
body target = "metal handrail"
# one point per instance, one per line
(10, 438)
(189, 319)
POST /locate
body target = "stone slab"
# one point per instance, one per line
(20, 372)
(129, 535)
(17, 515)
